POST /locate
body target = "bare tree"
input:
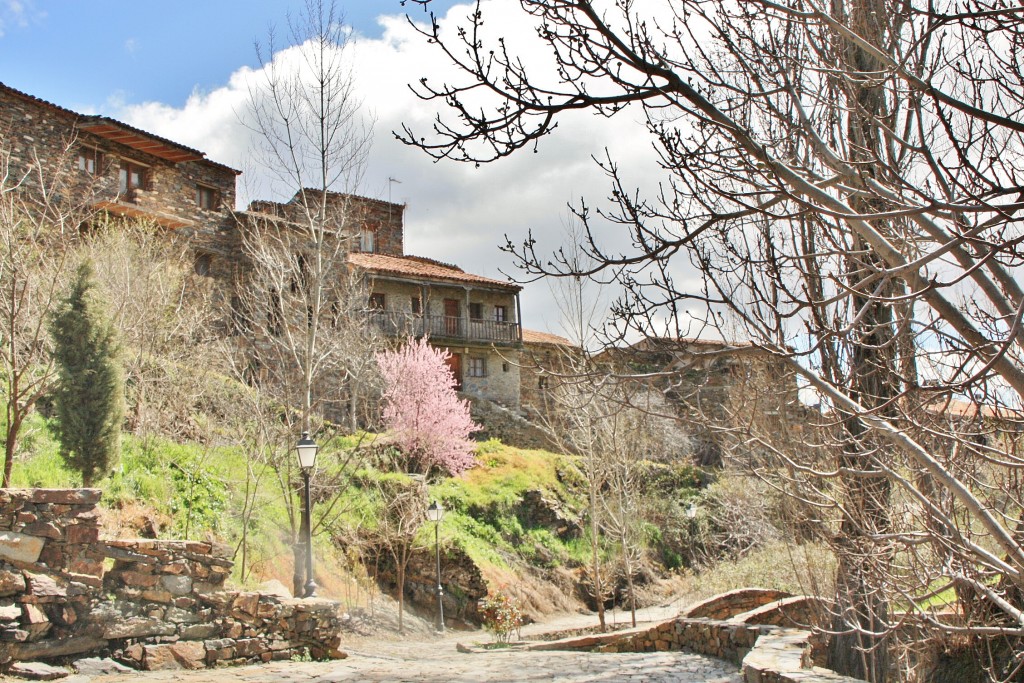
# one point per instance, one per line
(35, 219)
(402, 510)
(296, 294)
(165, 318)
(845, 178)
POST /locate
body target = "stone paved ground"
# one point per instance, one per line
(435, 659)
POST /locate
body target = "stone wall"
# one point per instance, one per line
(161, 605)
(734, 602)
(766, 654)
(725, 640)
(50, 567)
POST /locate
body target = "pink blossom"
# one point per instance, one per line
(425, 417)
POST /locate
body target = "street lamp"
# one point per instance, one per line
(307, 449)
(435, 513)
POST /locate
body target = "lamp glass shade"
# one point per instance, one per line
(435, 512)
(307, 449)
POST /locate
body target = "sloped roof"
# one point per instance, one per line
(537, 337)
(421, 268)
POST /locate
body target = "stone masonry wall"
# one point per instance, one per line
(50, 567)
(766, 654)
(161, 605)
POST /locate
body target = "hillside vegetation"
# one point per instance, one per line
(519, 515)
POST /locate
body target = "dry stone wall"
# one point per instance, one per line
(766, 653)
(160, 605)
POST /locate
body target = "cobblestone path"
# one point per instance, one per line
(434, 659)
(445, 665)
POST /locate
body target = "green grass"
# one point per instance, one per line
(202, 490)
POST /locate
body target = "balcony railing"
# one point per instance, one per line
(395, 323)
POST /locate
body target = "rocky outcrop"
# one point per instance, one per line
(462, 582)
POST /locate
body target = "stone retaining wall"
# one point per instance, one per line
(734, 602)
(766, 653)
(722, 639)
(50, 567)
(161, 605)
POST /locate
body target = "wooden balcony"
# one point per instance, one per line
(400, 323)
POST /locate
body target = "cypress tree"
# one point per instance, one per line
(89, 399)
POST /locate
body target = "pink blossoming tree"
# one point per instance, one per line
(425, 417)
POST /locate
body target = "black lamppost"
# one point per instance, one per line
(307, 449)
(435, 513)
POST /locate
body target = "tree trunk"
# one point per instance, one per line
(401, 596)
(595, 539)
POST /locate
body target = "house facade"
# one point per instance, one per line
(98, 164)
(106, 167)
(475, 318)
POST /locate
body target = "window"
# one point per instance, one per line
(417, 305)
(366, 241)
(207, 197)
(275, 314)
(476, 311)
(202, 264)
(500, 314)
(90, 160)
(299, 280)
(476, 367)
(377, 301)
(131, 177)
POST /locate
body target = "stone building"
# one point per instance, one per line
(108, 167)
(711, 382)
(96, 164)
(477, 319)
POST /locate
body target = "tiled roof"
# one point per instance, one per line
(423, 269)
(954, 407)
(535, 337)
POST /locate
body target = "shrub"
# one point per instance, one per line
(501, 616)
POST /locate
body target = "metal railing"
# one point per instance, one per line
(394, 323)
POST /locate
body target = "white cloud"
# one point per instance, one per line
(14, 13)
(456, 213)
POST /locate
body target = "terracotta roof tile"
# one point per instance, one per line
(423, 268)
(535, 337)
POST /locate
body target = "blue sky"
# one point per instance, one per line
(82, 54)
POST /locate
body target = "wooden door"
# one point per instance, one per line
(451, 317)
(455, 365)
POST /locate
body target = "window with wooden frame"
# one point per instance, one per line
(476, 367)
(132, 177)
(376, 301)
(90, 160)
(417, 306)
(500, 314)
(207, 197)
(367, 241)
(476, 311)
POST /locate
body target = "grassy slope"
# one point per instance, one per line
(189, 491)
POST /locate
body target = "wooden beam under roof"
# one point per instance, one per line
(121, 133)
